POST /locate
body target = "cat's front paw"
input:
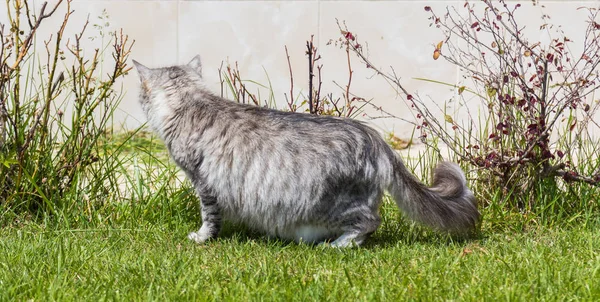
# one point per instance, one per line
(198, 237)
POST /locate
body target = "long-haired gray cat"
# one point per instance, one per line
(291, 175)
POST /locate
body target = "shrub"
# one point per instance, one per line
(530, 143)
(313, 100)
(55, 111)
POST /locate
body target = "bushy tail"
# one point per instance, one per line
(448, 205)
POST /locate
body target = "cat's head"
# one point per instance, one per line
(164, 89)
(154, 79)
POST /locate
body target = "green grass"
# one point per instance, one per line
(152, 262)
(89, 214)
(133, 246)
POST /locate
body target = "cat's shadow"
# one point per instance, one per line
(379, 240)
(387, 236)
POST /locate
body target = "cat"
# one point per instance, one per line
(294, 176)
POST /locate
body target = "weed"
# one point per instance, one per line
(530, 143)
(54, 113)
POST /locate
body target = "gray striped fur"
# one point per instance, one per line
(290, 175)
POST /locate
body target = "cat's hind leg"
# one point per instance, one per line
(211, 220)
(357, 225)
(354, 237)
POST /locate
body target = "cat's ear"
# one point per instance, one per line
(196, 65)
(142, 70)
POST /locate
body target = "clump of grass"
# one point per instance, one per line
(55, 114)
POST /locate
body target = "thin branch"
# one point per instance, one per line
(291, 100)
(311, 75)
(27, 42)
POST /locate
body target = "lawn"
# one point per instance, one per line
(133, 246)
(89, 214)
(154, 261)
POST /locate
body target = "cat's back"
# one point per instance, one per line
(277, 120)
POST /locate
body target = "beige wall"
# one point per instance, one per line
(254, 34)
